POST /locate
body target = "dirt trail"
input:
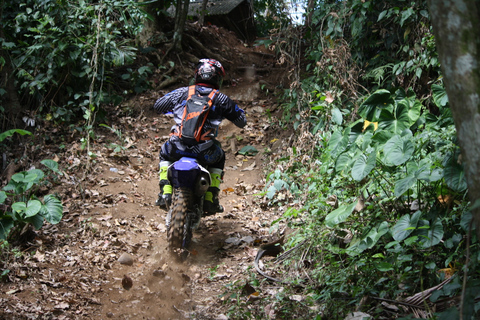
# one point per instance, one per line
(164, 288)
(72, 270)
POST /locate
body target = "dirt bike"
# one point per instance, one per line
(190, 182)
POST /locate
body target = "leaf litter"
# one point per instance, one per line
(108, 256)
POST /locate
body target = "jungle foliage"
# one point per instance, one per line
(386, 213)
(64, 58)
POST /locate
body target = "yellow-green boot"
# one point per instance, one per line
(165, 196)
(211, 205)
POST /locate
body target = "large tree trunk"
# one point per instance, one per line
(456, 25)
(154, 9)
(181, 12)
(201, 19)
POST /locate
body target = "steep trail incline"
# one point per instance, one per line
(108, 257)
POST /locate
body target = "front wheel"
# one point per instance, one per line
(179, 229)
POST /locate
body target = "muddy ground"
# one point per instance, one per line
(108, 257)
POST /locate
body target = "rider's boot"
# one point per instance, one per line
(211, 204)
(165, 196)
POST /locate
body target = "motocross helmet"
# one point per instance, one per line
(209, 71)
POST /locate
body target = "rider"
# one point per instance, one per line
(209, 75)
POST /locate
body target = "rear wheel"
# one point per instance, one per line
(180, 229)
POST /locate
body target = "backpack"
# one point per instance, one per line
(195, 113)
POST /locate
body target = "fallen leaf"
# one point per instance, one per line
(62, 306)
(13, 291)
(329, 98)
(250, 167)
(227, 190)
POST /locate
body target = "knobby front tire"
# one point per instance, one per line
(180, 232)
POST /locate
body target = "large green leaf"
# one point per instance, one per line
(414, 112)
(339, 215)
(10, 133)
(403, 185)
(33, 207)
(28, 176)
(363, 166)
(381, 137)
(439, 95)
(398, 150)
(52, 209)
(355, 130)
(19, 207)
(405, 226)
(372, 107)
(454, 175)
(344, 161)
(373, 236)
(397, 121)
(432, 235)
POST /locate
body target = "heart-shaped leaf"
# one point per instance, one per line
(398, 150)
(373, 106)
(344, 162)
(405, 226)
(52, 209)
(397, 121)
(363, 166)
(33, 207)
(432, 235)
(369, 240)
(454, 175)
(339, 215)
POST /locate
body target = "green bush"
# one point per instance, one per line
(64, 54)
(21, 206)
(386, 205)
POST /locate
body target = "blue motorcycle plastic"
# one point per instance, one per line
(190, 182)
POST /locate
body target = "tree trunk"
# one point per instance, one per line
(456, 25)
(310, 7)
(201, 19)
(11, 102)
(181, 12)
(154, 9)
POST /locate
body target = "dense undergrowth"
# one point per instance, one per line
(373, 185)
(374, 182)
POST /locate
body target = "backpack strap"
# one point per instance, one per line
(211, 96)
(192, 91)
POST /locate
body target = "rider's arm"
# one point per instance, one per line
(167, 102)
(232, 111)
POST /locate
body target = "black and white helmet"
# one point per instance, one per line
(209, 71)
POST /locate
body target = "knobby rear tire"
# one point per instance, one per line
(180, 233)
